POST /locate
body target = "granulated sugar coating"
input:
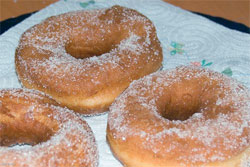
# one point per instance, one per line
(85, 59)
(188, 116)
(35, 131)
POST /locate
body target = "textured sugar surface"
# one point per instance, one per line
(197, 127)
(60, 65)
(30, 155)
(27, 93)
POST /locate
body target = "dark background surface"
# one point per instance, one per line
(6, 24)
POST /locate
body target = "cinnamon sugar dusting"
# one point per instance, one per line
(48, 50)
(72, 144)
(218, 130)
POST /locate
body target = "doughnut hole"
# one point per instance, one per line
(189, 97)
(86, 50)
(91, 44)
(18, 128)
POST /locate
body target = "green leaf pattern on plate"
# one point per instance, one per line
(204, 63)
(85, 4)
(176, 48)
(227, 72)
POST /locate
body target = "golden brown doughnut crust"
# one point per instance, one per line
(183, 117)
(85, 59)
(55, 135)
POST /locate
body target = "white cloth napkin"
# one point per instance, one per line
(186, 39)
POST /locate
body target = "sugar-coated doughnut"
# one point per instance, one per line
(36, 131)
(85, 59)
(188, 116)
